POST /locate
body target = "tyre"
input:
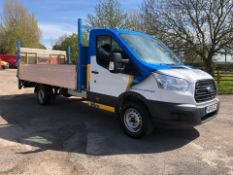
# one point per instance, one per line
(44, 95)
(135, 120)
(65, 93)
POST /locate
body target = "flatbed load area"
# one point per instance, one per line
(47, 67)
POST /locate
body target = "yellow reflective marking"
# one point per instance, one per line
(88, 76)
(101, 106)
(130, 81)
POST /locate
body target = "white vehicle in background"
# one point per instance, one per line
(130, 73)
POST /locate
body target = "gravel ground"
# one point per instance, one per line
(69, 138)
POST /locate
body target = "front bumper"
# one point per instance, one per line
(181, 115)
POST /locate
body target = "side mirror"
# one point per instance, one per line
(117, 63)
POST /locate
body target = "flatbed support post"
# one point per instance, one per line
(68, 55)
(79, 85)
(18, 53)
(18, 63)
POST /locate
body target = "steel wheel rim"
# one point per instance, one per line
(133, 120)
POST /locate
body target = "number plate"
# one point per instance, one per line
(211, 108)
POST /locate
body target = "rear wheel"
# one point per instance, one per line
(64, 93)
(135, 120)
(44, 95)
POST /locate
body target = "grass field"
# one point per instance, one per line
(225, 83)
(225, 87)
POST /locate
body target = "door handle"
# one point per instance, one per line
(95, 72)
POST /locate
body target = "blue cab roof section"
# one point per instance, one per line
(145, 68)
(119, 31)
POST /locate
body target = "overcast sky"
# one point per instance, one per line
(58, 17)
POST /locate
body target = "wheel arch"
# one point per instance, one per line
(132, 97)
(36, 88)
(37, 85)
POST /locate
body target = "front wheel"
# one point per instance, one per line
(135, 120)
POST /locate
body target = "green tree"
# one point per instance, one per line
(68, 41)
(205, 26)
(18, 24)
(110, 14)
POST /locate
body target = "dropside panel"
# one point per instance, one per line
(59, 75)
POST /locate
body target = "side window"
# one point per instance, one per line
(105, 47)
(103, 50)
(116, 47)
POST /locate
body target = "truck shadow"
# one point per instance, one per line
(70, 125)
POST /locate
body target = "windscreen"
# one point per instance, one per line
(150, 50)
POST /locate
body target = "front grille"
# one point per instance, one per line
(205, 90)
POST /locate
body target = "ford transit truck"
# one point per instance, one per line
(130, 73)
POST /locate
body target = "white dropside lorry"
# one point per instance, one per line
(130, 73)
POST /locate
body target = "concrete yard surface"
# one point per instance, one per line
(70, 138)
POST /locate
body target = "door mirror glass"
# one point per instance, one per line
(117, 64)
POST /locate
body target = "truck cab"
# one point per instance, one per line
(139, 78)
(139, 75)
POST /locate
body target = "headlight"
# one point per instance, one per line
(171, 83)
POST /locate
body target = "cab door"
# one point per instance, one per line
(103, 83)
